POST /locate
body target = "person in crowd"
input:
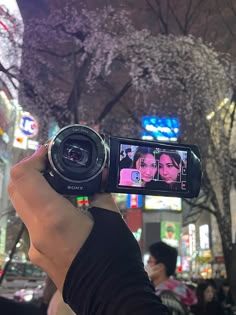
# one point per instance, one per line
(126, 162)
(122, 155)
(207, 304)
(225, 298)
(170, 165)
(213, 283)
(82, 252)
(161, 266)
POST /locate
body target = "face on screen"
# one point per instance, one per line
(169, 168)
(147, 166)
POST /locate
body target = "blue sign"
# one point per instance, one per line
(28, 125)
(134, 201)
(162, 129)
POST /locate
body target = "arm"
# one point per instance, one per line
(94, 259)
(52, 221)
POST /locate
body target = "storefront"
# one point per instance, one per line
(5, 130)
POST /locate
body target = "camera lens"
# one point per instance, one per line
(78, 153)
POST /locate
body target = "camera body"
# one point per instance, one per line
(78, 157)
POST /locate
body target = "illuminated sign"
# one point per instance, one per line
(28, 125)
(186, 263)
(4, 136)
(204, 236)
(163, 203)
(162, 129)
(20, 141)
(185, 244)
(170, 233)
(134, 201)
(1, 185)
(134, 220)
(120, 199)
(82, 201)
(32, 145)
(192, 239)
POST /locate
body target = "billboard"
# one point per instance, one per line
(204, 236)
(134, 220)
(120, 200)
(28, 125)
(185, 244)
(163, 203)
(161, 129)
(186, 262)
(192, 239)
(134, 201)
(170, 233)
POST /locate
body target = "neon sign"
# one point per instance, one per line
(162, 129)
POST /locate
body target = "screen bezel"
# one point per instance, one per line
(113, 185)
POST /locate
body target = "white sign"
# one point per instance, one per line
(20, 141)
(1, 185)
(192, 239)
(32, 144)
(204, 236)
(5, 137)
(28, 125)
(163, 203)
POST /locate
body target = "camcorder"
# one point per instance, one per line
(82, 162)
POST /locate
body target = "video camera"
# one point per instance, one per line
(79, 160)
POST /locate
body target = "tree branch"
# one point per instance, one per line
(55, 54)
(79, 82)
(108, 107)
(183, 31)
(224, 20)
(201, 206)
(232, 7)
(9, 75)
(162, 23)
(195, 12)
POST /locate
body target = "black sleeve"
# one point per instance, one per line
(107, 275)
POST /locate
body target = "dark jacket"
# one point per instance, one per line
(212, 308)
(126, 162)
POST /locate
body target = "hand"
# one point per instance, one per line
(57, 229)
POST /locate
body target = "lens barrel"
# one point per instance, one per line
(77, 153)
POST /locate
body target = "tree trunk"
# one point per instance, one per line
(230, 265)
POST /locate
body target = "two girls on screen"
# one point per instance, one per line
(158, 170)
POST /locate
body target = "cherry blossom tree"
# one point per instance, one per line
(102, 50)
(10, 54)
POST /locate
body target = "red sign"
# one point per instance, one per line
(219, 259)
(134, 220)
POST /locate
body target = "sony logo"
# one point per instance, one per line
(75, 187)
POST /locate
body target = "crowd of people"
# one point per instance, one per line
(204, 298)
(181, 299)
